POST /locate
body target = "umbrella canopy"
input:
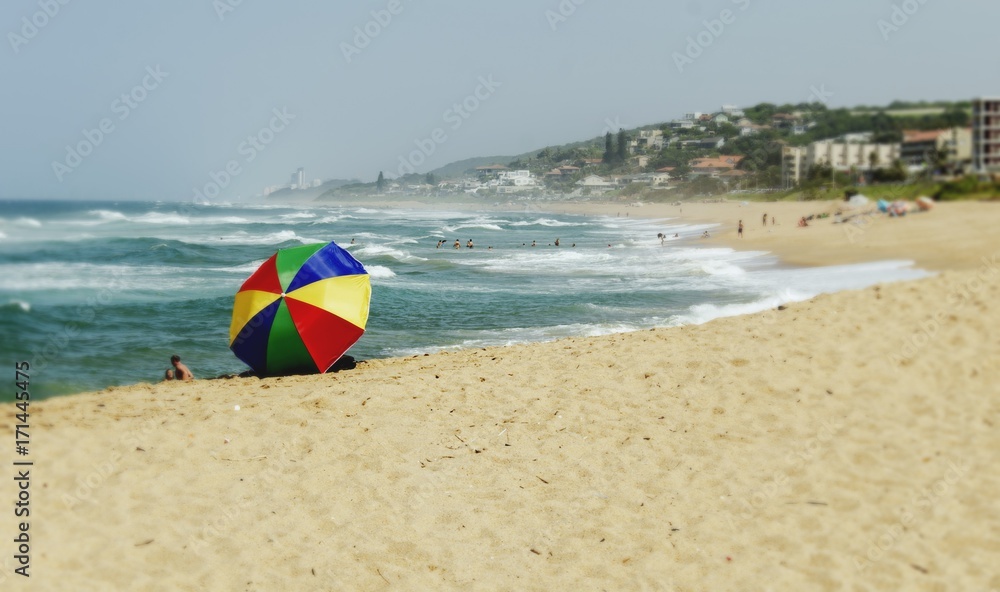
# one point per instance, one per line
(300, 311)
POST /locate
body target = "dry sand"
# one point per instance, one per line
(846, 443)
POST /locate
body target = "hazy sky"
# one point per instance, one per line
(180, 86)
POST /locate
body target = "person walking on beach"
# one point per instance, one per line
(181, 371)
(740, 231)
(765, 218)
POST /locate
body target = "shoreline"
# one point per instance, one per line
(945, 238)
(952, 236)
(794, 247)
(775, 448)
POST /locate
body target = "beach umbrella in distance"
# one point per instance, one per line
(300, 311)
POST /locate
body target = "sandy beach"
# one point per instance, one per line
(952, 236)
(845, 443)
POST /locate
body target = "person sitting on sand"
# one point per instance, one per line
(168, 375)
(181, 372)
(802, 222)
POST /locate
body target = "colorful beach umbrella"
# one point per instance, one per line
(300, 311)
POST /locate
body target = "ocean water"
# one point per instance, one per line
(95, 294)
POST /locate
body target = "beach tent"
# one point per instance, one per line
(300, 311)
(925, 203)
(858, 201)
(883, 206)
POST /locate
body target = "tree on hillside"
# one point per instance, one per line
(727, 131)
(609, 148)
(622, 146)
(873, 160)
(380, 184)
(431, 179)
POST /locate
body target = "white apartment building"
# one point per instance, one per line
(521, 178)
(986, 135)
(843, 157)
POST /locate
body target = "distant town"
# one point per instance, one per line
(806, 150)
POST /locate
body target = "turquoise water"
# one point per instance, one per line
(96, 294)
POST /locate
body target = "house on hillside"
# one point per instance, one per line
(733, 111)
(646, 140)
(714, 167)
(713, 143)
(490, 171)
(682, 124)
(752, 129)
(595, 183)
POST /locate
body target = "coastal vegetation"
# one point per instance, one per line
(753, 140)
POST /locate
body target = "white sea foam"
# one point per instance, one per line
(29, 222)
(473, 226)
(703, 313)
(547, 222)
(372, 251)
(52, 276)
(380, 272)
(109, 215)
(18, 305)
(162, 218)
(245, 269)
(246, 238)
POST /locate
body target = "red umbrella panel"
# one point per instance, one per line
(300, 311)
